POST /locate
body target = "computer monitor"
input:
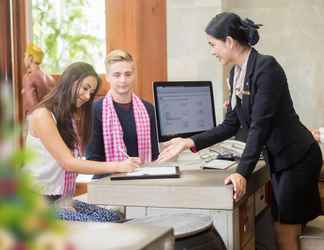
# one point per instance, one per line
(183, 108)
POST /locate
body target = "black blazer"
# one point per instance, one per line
(267, 112)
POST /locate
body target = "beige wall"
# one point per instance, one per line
(189, 55)
(293, 32)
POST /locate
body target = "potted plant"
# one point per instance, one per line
(26, 220)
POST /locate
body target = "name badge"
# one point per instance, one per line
(246, 92)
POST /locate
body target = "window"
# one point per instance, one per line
(69, 31)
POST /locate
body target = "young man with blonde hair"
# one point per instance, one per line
(123, 124)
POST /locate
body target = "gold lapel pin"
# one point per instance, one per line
(246, 92)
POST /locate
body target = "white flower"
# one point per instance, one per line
(6, 149)
(50, 241)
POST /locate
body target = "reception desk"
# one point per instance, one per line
(197, 191)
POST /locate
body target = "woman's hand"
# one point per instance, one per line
(239, 184)
(65, 203)
(128, 165)
(174, 147)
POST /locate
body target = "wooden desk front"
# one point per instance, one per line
(197, 191)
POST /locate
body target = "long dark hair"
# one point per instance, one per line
(62, 102)
(229, 24)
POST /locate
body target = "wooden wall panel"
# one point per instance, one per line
(5, 50)
(12, 46)
(19, 40)
(153, 45)
(139, 26)
(5, 42)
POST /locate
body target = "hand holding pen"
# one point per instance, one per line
(128, 165)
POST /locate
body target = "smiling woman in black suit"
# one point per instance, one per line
(260, 102)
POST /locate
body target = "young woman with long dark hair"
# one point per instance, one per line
(58, 128)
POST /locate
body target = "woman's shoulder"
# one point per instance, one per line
(266, 59)
(41, 113)
(267, 63)
(40, 117)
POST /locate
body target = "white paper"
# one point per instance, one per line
(153, 171)
(84, 178)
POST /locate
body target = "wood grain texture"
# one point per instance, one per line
(5, 41)
(12, 46)
(5, 51)
(139, 27)
(19, 40)
(247, 223)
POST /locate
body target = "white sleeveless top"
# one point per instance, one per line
(47, 173)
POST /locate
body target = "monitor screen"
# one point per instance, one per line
(183, 108)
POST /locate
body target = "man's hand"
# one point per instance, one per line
(128, 165)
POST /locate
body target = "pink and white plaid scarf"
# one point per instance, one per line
(70, 177)
(113, 132)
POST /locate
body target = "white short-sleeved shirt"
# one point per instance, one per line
(45, 170)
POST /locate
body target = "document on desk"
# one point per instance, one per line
(149, 173)
(218, 164)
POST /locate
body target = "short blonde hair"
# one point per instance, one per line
(117, 55)
(35, 52)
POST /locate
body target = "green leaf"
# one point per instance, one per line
(61, 38)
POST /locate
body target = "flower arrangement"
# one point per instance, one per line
(26, 220)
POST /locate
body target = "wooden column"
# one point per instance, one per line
(5, 51)
(19, 40)
(139, 26)
(5, 42)
(12, 46)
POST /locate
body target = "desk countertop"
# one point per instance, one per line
(196, 188)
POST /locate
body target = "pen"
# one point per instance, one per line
(123, 152)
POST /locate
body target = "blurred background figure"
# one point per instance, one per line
(36, 83)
